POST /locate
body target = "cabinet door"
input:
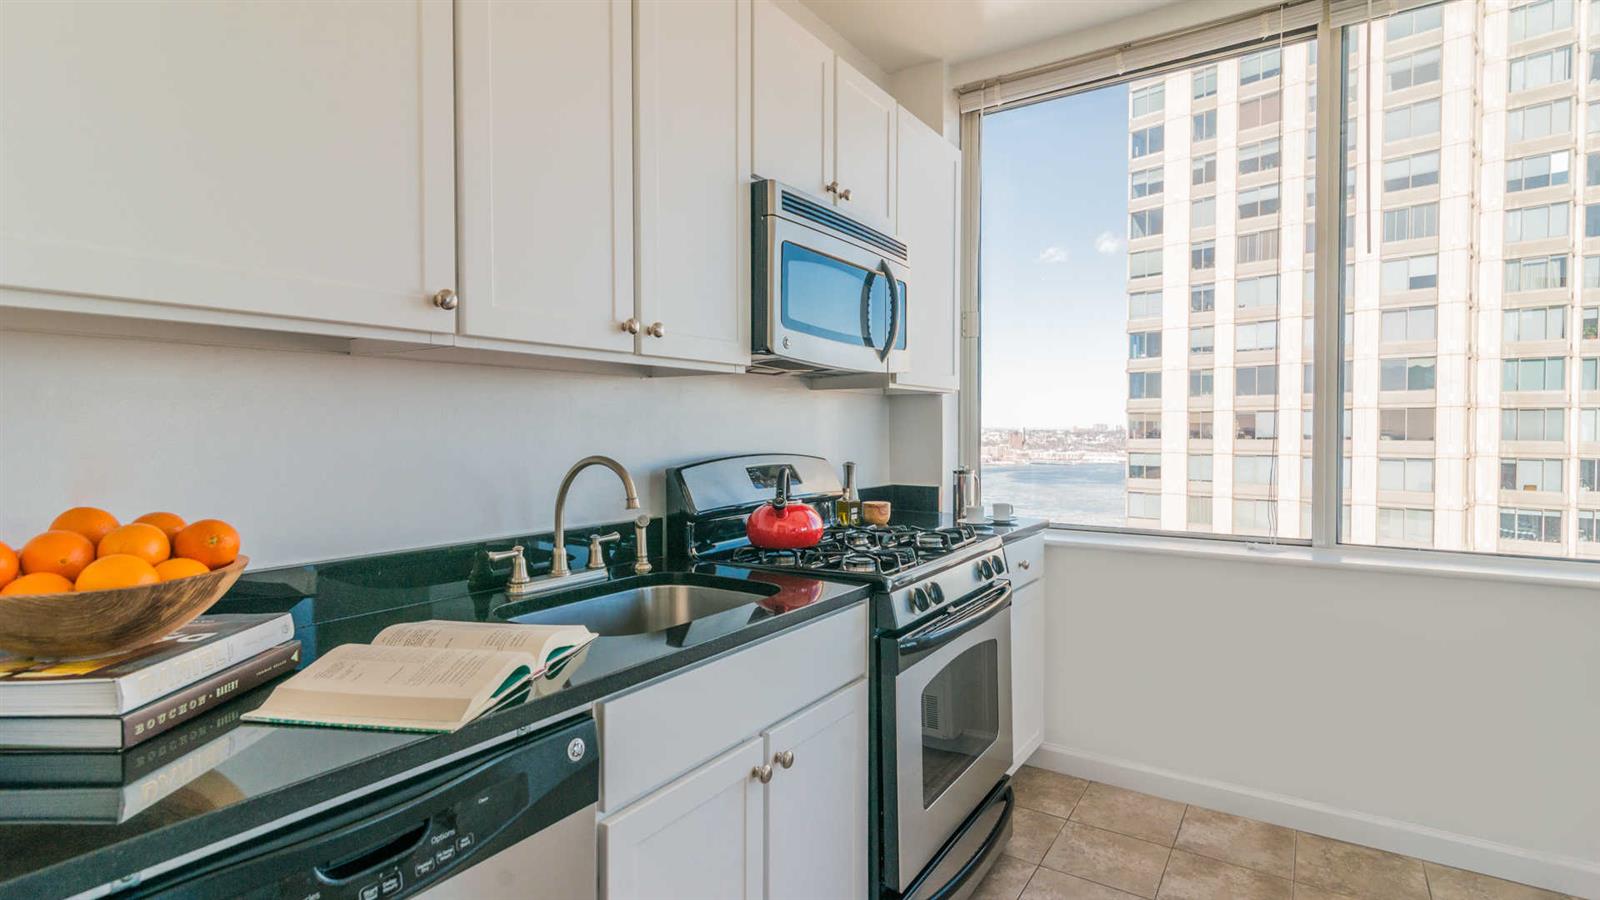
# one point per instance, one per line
(293, 160)
(865, 134)
(816, 840)
(693, 130)
(1027, 671)
(546, 171)
(699, 837)
(793, 102)
(929, 197)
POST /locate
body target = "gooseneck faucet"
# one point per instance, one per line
(558, 561)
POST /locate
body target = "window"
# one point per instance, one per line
(1199, 511)
(1530, 475)
(1414, 120)
(1532, 424)
(1591, 220)
(1260, 66)
(1144, 305)
(1413, 273)
(1409, 424)
(1200, 382)
(1413, 69)
(1589, 426)
(1594, 65)
(1255, 336)
(1540, 373)
(1255, 381)
(1259, 157)
(1540, 323)
(1203, 255)
(1203, 339)
(1260, 470)
(1411, 222)
(1591, 272)
(1204, 127)
(1416, 323)
(1540, 120)
(1144, 385)
(1406, 172)
(1144, 506)
(1587, 522)
(1148, 100)
(1405, 526)
(1256, 293)
(1146, 183)
(1203, 213)
(1260, 201)
(1414, 475)
(1143, 263)
(1591, 123)
(1406, 373)
(1144, 426)
(1202, 298)
(1589, 477)
(1592, 177)
(1535, 223)
(1257, 247)
(1146, 141)
(1200, 424)
(1144, 465)
(1204, 169)
(1256, 426)
(1539, 18)
(1590, 376)
(1263, 110)
(1591, 323)
(1205, 83)
(1542, 525)
(1144, 345)
(1536, 273)
(1412, 22)
(1544, 170)
(1200, 468)
(1254, 516)
(1144, 223)
(1540, 69)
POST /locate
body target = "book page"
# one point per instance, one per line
(539, 641)
(403, 685)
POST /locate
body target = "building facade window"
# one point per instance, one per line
(1540, 323)
(1145, 222)
(1203, 126)
(1539, 69)
(1413, 120)
(1539, 120)
(1146, 141)
(1144, 465)
(1548, 373)
(1262, 156)
(1144, 305)
(1542, 424)
(1409, 223)
(1412, 273)
(1407, 373)
(1536, 223)
(1416, 323)
(1543, 170)
(1541, 525)
(1541, 17)
(1260, 66)
(1148, 100)
(1421, 67)
(1536, 273)
(1147, 183)
(1405, 424)
(1202, 298)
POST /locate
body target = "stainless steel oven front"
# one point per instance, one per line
(945, 695)
(829, 294)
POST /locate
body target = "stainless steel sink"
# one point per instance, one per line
(645, 605)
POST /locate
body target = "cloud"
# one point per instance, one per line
(1107, 243)
(1053, 255)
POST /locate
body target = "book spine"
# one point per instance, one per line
(174, 674)
(170, 711)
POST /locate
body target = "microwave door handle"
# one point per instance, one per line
(894, 310)
(866, 309)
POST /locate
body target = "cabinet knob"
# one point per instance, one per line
(844, 194)
(785, 759)
(831, 187)
(1024, 565)
(656, 329)
(631, 326)
(446, 299)
(762, 773)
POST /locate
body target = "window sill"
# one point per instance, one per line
(1551, 572)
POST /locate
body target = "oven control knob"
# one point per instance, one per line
(999, 565)
(935, 593)
(919, 599)
(985, 569)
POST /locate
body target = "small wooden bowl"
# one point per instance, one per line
(100, 623)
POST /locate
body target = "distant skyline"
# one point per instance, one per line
(1054, 279)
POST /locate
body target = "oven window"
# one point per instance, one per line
(822, 296)
(960, 717)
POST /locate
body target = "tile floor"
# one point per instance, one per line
(1078, 840)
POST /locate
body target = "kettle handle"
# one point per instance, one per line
(782, 499)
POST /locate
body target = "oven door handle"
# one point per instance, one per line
(937, 634)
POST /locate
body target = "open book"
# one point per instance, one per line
(427, 676)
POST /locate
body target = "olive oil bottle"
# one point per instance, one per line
(847, 509)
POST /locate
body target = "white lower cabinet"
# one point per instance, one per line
(1027, 661)
(721, 831)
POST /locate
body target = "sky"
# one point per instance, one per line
(1054, 270)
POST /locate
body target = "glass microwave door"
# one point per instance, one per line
(822, 296)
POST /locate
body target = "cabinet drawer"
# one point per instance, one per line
(1025, 559)
(658, 732)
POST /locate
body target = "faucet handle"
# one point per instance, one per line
(519, 580)
(641, 555)
(595, 540)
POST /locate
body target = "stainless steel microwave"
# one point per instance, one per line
(829, 293)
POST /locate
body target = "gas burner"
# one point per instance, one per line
(860, 562)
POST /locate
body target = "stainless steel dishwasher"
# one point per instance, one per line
(517, 821)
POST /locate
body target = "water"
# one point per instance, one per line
(1074, 493)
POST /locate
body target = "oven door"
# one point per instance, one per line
(952, 724)
(831, 303)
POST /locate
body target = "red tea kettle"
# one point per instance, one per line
(784, 524)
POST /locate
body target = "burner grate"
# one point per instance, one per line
(865, 549)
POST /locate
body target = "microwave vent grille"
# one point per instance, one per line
(805, 208)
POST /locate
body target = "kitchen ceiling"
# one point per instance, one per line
(896, 34)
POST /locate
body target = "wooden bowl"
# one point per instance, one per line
(100, 623)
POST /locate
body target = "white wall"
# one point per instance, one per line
(317, 455)
(1443, 717)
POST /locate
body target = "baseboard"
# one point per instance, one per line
(1558, 873)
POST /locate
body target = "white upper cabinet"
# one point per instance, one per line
(693, 141)
(929, 203)
(546, 187)
(794, 74)
(864, 147)
(291, 160)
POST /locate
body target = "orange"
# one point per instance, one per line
(62, 552)
(178, 567)
(211, 541)
(8, 564)
(137, 539)
(38, 583)
(118, 570)
(92, 523)
(169, 523)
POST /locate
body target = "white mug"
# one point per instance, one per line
(1003, 512)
